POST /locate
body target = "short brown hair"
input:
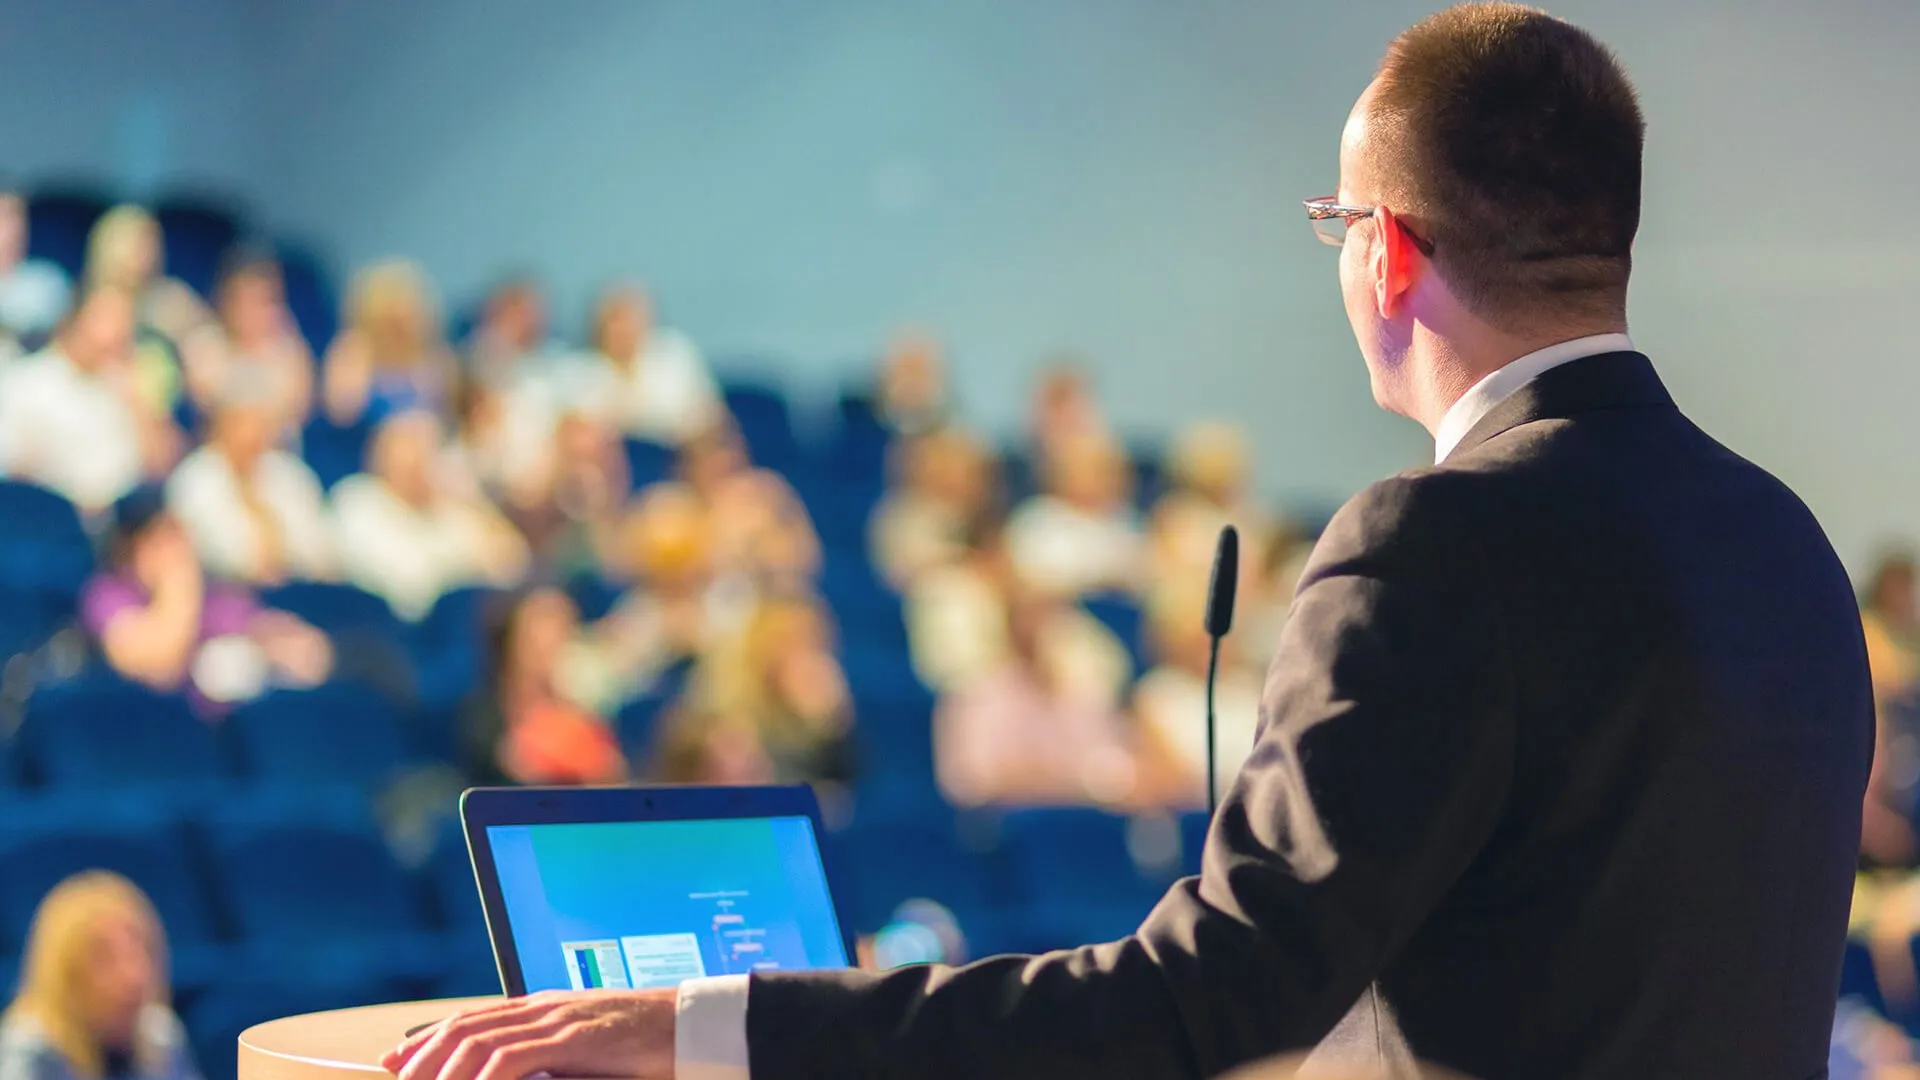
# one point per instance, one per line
(1514, 140)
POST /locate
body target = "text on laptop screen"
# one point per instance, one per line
(645, 904)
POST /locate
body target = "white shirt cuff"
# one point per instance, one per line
(710, 1029)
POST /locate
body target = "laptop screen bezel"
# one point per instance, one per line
(483, 808)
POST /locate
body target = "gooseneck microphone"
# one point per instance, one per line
(1220, 589)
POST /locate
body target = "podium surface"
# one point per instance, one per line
(339, 1044)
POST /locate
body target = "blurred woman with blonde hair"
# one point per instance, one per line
(93, 993)
(392, 355)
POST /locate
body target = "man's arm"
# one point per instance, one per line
(1383, 763)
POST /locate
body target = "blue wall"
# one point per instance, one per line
(1117, 177)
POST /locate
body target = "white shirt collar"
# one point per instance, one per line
(1500, 384)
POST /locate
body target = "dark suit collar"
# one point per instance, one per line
(1604, 381)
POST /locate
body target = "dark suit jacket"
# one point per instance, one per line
(1563, 749)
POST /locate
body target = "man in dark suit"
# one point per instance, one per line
(1562, 753)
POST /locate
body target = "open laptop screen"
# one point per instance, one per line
(650, 903)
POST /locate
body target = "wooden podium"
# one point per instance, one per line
(345, 1043)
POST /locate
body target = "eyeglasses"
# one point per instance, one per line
(1331, 219)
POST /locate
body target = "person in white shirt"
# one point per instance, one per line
(255, 513)
(1082, 536)
(648, 379)
(1170, 701)
(408, 533)
(72, 418)
(511, 339)
(33, 292)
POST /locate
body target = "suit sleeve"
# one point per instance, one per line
(1383, 762)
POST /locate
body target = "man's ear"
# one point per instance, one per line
(1396, 263)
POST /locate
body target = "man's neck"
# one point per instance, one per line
(1455, 364)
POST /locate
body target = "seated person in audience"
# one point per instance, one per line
(518, 726)
(1081, 535)
(72, 418)
(1170, 701)
(649, 380)
(92, 1002)
(1268, 578)
(255, 512)
(408, 531)
(1207, 471)
(760, 528)
(1890, 617)
(1063, 409)
(257, 345)
(910, 397)
(124, 251)
(33, 292)
(161, 623)
(1021, 736)
(696, 747)
(957, 629)
(569, 511)
(1890, 620)
(390, 357)
(680, 608)
(945, 484)
(510, 340)
(780, 677)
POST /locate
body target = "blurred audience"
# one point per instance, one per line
(1170, 700)
(680, 608)
(945, 485)
(72, 417)
(125, 252)
(93, 996)
(695, 747)
(390, 356)
(910, 396)
(255, 512)
(1207, 472)
(1266, 593)
(33, 292)
(258, 351)
(510, 340)
(1063, 410)
(759, 526)
(408, 532)
(957, 629)
(517, 725)
(569, 510)
(1890, 614)
(1023, 735)
(649, 380)
(780, 677)
(1081, 535)
(160, 622)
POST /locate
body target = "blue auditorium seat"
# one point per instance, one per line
(857, 447)
(197, 230)
(313, 888)
(43, 546)
(28, 617)
(58, 222)
(46, 840)
(1193, 839)
(337, 734)
(215, 1019)
(336, 608)
(648, 462)
(1074, 878)
(861, 602)
(311, 296)
(1019, 476)
(456, 900)
(1149, 474)
(594, 595)
(840, 506)
(765, 423)
(1121, 615)
(102, 731)
(332, 451)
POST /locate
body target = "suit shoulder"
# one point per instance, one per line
(1423, 514)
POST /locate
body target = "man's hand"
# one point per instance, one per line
(621, 1034)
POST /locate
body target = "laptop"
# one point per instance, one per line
(589, 888)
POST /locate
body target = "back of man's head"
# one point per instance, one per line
(1513, 140)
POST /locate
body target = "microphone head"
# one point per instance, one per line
(1226, 578)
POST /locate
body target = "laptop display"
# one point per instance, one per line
(650, 903)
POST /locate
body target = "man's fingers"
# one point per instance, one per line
(523, 1059)
(397, 1058)
(425, 1060)
(477, 1053)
